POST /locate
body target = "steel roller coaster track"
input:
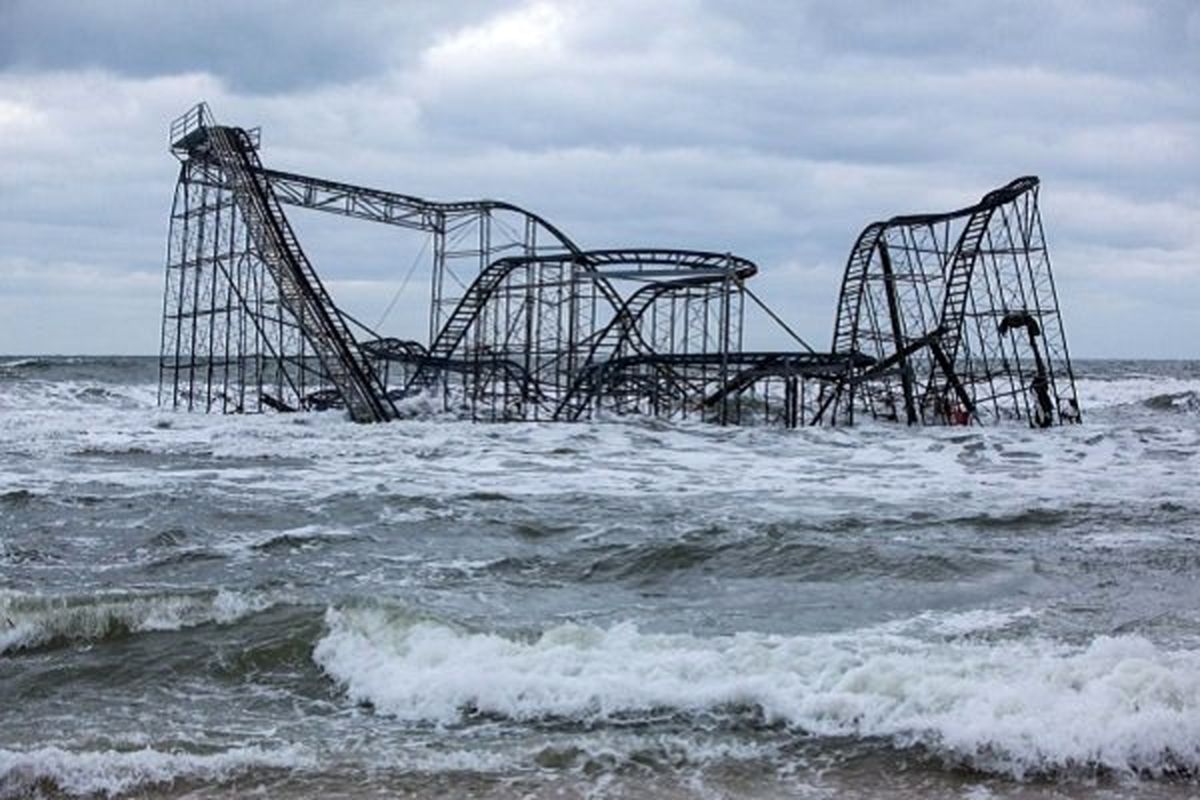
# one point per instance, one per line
(943, 318)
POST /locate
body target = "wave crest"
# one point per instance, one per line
(31, 621)
(1020, 708)
(1178, 402)
(110, 772)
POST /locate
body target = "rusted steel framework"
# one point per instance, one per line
(960, 315)
(938, 314)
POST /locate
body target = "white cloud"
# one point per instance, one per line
(526, 40)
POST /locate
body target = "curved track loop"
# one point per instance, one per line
(666, 271)
(625, 325)
(622, 328)
(910, 286)
(845, 328)
(962, 269)
(854, 280)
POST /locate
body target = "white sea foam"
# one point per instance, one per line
(964, 623)
(20, 362)
(77, 395)
(31, 620)
(111, 772)
(1097, 394)
(245, 543)
(423, 458)
(1016, 707)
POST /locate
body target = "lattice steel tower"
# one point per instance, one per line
(943, 318)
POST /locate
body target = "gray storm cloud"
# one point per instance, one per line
(776, 130)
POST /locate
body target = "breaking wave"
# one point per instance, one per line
(1185, 402)
(1018, 707)
(24, 364)
(1148, 391)
(31, 621)
(110, 772)
(37, 395)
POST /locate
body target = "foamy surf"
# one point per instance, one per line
(32, 621)
(25, 773)
(1015, 707)
(1097, 394)
(875, 610)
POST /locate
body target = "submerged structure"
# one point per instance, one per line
(960, 316)
(943, 318)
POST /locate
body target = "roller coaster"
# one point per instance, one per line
(943, 319)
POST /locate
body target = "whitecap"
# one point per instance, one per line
(111, 772)
(1014, 707)
(34, 620)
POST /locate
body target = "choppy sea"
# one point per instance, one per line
(294, 605)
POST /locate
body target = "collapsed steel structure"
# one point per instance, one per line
(943, 318)
(963, 310)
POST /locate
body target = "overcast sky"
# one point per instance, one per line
(776, 130)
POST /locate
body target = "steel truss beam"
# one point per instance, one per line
(942, 317)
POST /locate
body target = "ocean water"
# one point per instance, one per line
(294, 605)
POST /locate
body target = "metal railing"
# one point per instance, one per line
(199, 117)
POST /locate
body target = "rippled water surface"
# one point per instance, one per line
(199, 606)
